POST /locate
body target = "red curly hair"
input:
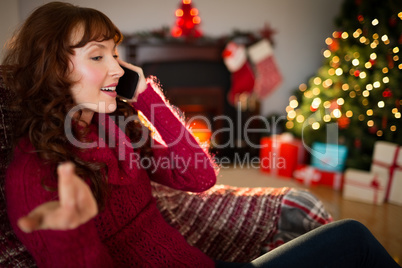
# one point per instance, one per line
(37, 63)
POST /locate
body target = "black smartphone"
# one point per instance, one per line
(127, 83)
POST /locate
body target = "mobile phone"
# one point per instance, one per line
(127, 83)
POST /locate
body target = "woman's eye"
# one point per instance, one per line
(97, 58)
(116, 56)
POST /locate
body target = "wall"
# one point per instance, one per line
(301, 26)
(9, 19)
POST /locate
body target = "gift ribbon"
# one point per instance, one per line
(391, 170)
(337, 181)
(376, 185)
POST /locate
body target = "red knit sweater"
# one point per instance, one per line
(130, 231)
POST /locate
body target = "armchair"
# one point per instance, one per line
(13, 253)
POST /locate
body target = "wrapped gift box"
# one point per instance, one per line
(395, 194)
(386, 157)
(308, 175)
(311, 176)
(280, 155)
(332, 179)
(364, 186)
(328, 157)
(399, 157)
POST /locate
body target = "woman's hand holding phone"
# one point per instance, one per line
(129, 79)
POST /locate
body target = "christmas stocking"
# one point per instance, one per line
(267, 76)
(242, 80)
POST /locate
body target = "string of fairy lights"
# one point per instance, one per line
(351, 73)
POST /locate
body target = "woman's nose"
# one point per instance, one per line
(116, 70)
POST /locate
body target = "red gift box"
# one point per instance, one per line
(280, 154)
(311, 176)
(308, 175)
(332, 179)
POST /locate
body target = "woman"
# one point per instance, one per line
(84, 70)
(78, 192)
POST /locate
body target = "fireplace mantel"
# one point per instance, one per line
(143, 53)
(193, 77)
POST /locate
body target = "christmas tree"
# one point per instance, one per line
(187, 21)
(359, 86)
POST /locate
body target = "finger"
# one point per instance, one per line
(35, 220)
(131, 66)
(66, 185)
(86, 202)
(75, 194)
(142, 82)
(29, 224)
(78, 204)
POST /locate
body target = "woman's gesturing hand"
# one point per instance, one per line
(76, 205)
(142, 83)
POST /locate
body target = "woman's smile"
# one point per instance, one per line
(110, 90)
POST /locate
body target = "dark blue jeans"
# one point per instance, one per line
(345, 243)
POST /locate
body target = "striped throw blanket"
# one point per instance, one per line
(238, 224)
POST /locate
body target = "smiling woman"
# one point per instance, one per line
(97, 209)
(95, 75)
(41, 59)
(63, 57)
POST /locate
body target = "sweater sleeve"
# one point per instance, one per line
(180, 162)
(80, 247)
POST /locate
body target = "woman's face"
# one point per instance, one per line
(95, 73)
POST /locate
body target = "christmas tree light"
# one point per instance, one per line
(359, 86)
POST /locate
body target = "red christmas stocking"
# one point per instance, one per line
(268, 76)
(235, 58)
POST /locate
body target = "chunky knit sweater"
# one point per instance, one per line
(130, 231)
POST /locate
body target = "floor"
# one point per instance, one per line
(384, 221)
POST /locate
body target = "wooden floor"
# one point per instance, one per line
(384, 221)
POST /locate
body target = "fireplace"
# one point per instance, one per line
(193, 78)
